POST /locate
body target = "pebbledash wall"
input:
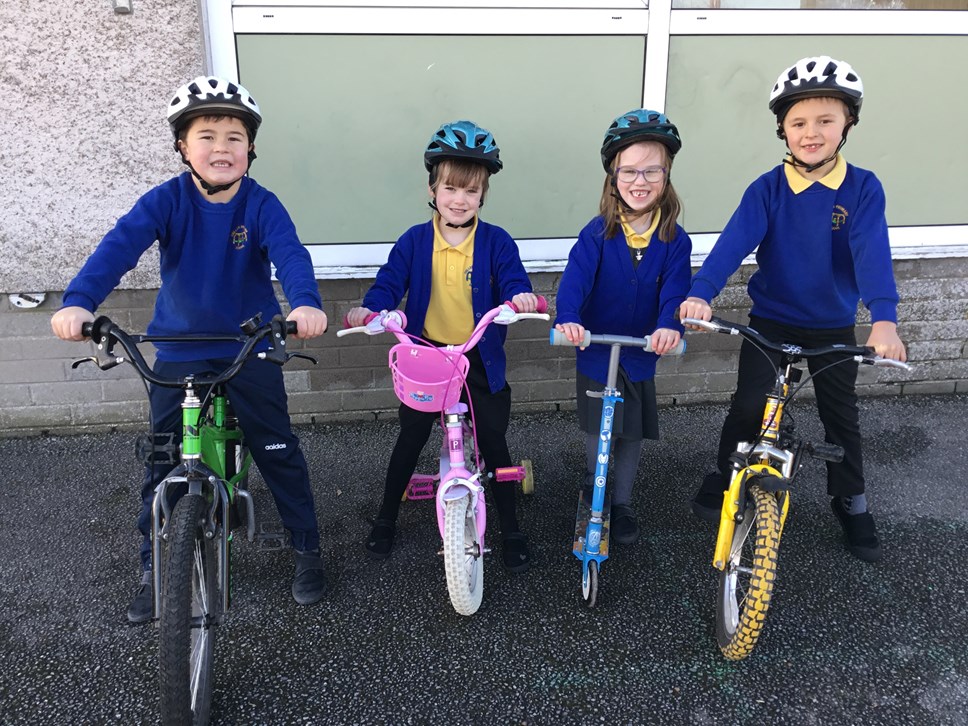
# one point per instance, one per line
(83, 135)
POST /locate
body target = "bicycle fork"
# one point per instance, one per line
(456, 479)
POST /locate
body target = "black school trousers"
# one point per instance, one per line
(835, 391)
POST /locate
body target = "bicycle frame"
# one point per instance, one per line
(768, 454)
(203, 468)
(457, 479)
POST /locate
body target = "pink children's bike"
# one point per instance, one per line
(427, 378)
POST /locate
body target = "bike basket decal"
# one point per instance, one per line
(838, 218)
(240, 235)
(422, 397)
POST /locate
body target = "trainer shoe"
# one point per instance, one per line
(624, 528)
(310, 583)
(139, 611)
(860, 532)
(708, 502)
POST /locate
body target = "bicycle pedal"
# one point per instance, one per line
(272, 540)
(509, 473)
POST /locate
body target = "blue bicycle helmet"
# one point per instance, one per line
(639, 125)
(463, 140)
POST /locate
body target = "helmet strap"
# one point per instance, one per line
(469, 223)
(794, 161)
(211, 189)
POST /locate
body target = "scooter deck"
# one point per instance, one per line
(581, 525)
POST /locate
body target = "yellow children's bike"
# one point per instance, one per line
(756, 504)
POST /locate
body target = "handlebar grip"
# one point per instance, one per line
(87, 329)
(541, 307)
(559, 338)
(291, 327)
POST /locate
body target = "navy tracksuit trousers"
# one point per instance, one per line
(258, 398)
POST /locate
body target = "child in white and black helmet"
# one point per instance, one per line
(819, 230)
(218, 231)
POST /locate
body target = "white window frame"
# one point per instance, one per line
(223, 19)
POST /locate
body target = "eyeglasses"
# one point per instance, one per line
(628, 174)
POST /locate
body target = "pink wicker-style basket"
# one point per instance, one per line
(425, 378)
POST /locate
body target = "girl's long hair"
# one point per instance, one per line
(611, 206)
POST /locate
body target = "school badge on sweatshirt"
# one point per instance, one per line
(839, 218)
(240, 235)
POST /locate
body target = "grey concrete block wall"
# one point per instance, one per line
(40, 392)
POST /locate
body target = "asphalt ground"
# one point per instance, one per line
(845, 643)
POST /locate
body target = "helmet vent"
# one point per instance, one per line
(831, 69)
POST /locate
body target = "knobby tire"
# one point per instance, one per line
(746, 585)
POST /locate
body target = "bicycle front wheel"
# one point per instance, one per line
(190, 606)
(746, 585)
(463, 556)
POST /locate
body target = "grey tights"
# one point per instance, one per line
(624, 465)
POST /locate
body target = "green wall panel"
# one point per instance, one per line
(911, 131)
(347, 119)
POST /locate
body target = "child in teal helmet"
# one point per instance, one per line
(819, 230)
(217, 232)
(453, 269)
(626, 275)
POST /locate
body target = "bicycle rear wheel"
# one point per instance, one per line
(746, 585)
(463, 556)
(190, 605)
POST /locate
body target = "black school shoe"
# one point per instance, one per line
(860, 532)
(380, 542)
(707, 504)
(515, 554)
(624, 528)
(139, 611)
(309, 585)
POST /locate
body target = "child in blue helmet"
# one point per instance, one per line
(453, 269)
(217, 231)
(626, 275)
(819, 230)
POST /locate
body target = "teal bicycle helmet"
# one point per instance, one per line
(463, 140)
(639, 125)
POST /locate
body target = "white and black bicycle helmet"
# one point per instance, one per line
(813, 77)
(212, 96)
(817, 76)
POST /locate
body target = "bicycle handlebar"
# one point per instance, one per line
(645, 343)
(106, 333)
(861, 354)
(394, 321)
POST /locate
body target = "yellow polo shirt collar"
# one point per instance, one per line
(832, 180)
(637, 240)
